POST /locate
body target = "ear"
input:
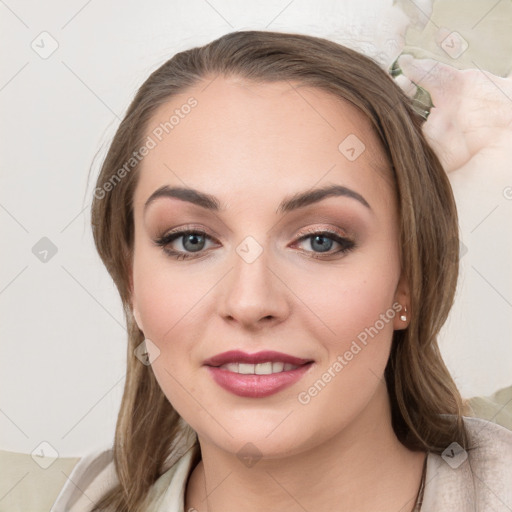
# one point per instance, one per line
(136, 316)
(133, 302)
(401, 304)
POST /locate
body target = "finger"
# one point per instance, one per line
(439, 79)
(406, 85)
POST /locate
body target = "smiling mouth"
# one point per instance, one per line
(256, 375)
(266, 368)
(257, 380)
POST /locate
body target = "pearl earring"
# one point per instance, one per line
(403, 316)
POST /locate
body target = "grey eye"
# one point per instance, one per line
(321, 243)
(193, 242)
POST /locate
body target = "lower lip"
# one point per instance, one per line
(256, 386)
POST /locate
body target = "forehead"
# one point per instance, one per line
(229, 132)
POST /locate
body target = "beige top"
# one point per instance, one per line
(479, 479)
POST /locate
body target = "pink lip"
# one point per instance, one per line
(255, 386)
(237, 356)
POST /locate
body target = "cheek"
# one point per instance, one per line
(164, 299)
(358, 312)
(356, 307)
(167, 304)
(171, 307)
(351, 299)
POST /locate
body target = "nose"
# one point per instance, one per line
(253, 295)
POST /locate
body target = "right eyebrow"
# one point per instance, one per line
(185, 194)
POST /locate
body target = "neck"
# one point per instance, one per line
(363, 467)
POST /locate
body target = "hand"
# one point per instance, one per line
(470, 125)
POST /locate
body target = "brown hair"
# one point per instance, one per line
(426, 405)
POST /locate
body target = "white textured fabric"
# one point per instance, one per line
(482, 482)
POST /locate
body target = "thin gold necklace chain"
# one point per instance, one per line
(419, 496)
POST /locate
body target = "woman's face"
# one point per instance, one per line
(271, 265)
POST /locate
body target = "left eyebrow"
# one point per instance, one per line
(299, 200)
(302, 199)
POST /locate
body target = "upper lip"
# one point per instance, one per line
(237, 356)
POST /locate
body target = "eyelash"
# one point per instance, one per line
(346, 244)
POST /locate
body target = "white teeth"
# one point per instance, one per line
(277, 367)
(263, 368)
(245, 368)
(266, 368)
